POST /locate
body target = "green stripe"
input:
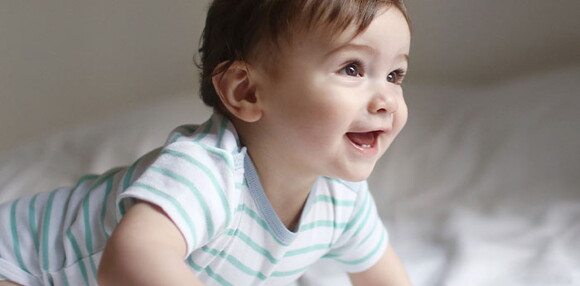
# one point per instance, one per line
(334, 201)
(367, 210)
(331, 255)
(104, 207)
(122, 209)
(32, 221)
(240, 208)
(93, 266)
(249, 271)
(289, 273)
(235, 262)
(209, 272)
(323, 223)
(85, 178)
(45, 230)
(189, 129)
(261, 222)
(64, 279)
(129, 174)
(194, 190)
(210, 175)
(127, 179)
(193, 264)
(105, 177)
(87, 217)
(87, 224)
(365, 220)
(366, 257)
(221, 153)
(175, 204)
(175, 138)
(359, 213)
(252, 244)
(217, 277)
(369, 235)
(77, 251)
(205, 130)
(308, 249)
(223, 126)
(15, 241)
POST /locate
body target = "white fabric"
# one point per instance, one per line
(205, 182)
(481, 187)
(207, 185)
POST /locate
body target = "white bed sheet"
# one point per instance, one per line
(482, 188)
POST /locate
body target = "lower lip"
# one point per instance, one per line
(372, 150)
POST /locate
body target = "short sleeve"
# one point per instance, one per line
(191, 186)
(364, 239)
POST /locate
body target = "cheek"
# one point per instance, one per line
(319, 121)
(401, 117)
(319, 126)
(313, 107)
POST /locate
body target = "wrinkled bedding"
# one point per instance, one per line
(481, 188)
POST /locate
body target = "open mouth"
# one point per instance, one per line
(363, 140)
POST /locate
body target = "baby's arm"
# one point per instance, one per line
(388, 271)
(146, 249)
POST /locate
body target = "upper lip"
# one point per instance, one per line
(378, 126)
(366, 130)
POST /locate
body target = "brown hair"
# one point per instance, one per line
(235, 28)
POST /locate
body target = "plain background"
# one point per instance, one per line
(64, 62)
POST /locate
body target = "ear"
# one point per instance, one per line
(237, 91)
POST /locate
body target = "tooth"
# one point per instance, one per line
(366, 145)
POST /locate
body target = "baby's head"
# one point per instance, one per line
(254, 30)
(315, 84)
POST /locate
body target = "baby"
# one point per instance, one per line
(307, 97)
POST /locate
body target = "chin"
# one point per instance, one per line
(356, 174)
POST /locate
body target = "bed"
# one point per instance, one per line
(481, 188)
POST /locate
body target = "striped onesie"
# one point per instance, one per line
(206, 183)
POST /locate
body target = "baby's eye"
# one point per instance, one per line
(396, 77)
(352, 69)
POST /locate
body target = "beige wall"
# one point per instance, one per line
(65, 62)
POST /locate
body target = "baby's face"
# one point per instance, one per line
(334, 107)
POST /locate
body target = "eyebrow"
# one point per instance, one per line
(350, 46)
(366, 48)
(406, 57)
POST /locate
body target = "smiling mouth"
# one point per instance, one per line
(363, 140)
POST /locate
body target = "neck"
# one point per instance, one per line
(287, 186)
(286, 190)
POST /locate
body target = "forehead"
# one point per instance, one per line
(389, 28)
(388, 35)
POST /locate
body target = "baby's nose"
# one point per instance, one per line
(384, 101)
